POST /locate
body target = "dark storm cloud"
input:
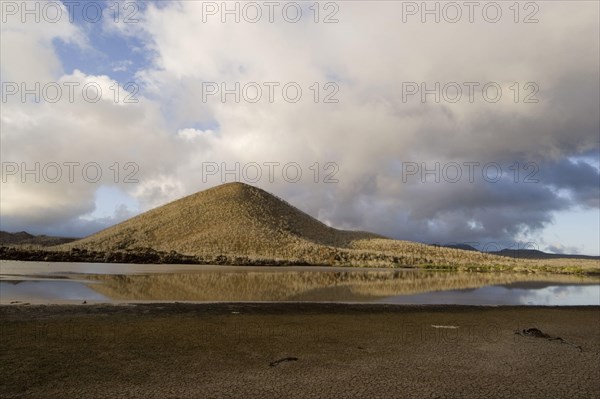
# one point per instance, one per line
(581, 179)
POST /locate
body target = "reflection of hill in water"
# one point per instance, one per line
(298, 286)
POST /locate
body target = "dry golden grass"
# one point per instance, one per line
(236, 219)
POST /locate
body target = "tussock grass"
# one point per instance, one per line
(237, 220)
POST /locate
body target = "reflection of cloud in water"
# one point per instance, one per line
(573, 295)
(47, 290)
(563, 295)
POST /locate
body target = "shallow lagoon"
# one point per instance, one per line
(48, 282)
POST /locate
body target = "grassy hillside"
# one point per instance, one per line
(239, 224)
(234, 218)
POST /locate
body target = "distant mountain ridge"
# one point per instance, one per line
(24, 238)
(521, 253)
(536, 254)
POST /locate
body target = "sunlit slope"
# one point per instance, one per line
(240, 224)
(233, 218)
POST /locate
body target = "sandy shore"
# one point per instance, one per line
(296, 350)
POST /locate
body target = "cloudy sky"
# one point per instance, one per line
(443, 124)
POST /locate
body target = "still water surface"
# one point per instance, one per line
(55, 282)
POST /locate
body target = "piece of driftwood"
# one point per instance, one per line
(285, 359)
(536, 333)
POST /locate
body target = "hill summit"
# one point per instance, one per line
(239, 224)
(230, 219)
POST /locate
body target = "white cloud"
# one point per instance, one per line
(369, 54)
(27, 47)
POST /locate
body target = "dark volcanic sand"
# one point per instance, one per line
(296, 351)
